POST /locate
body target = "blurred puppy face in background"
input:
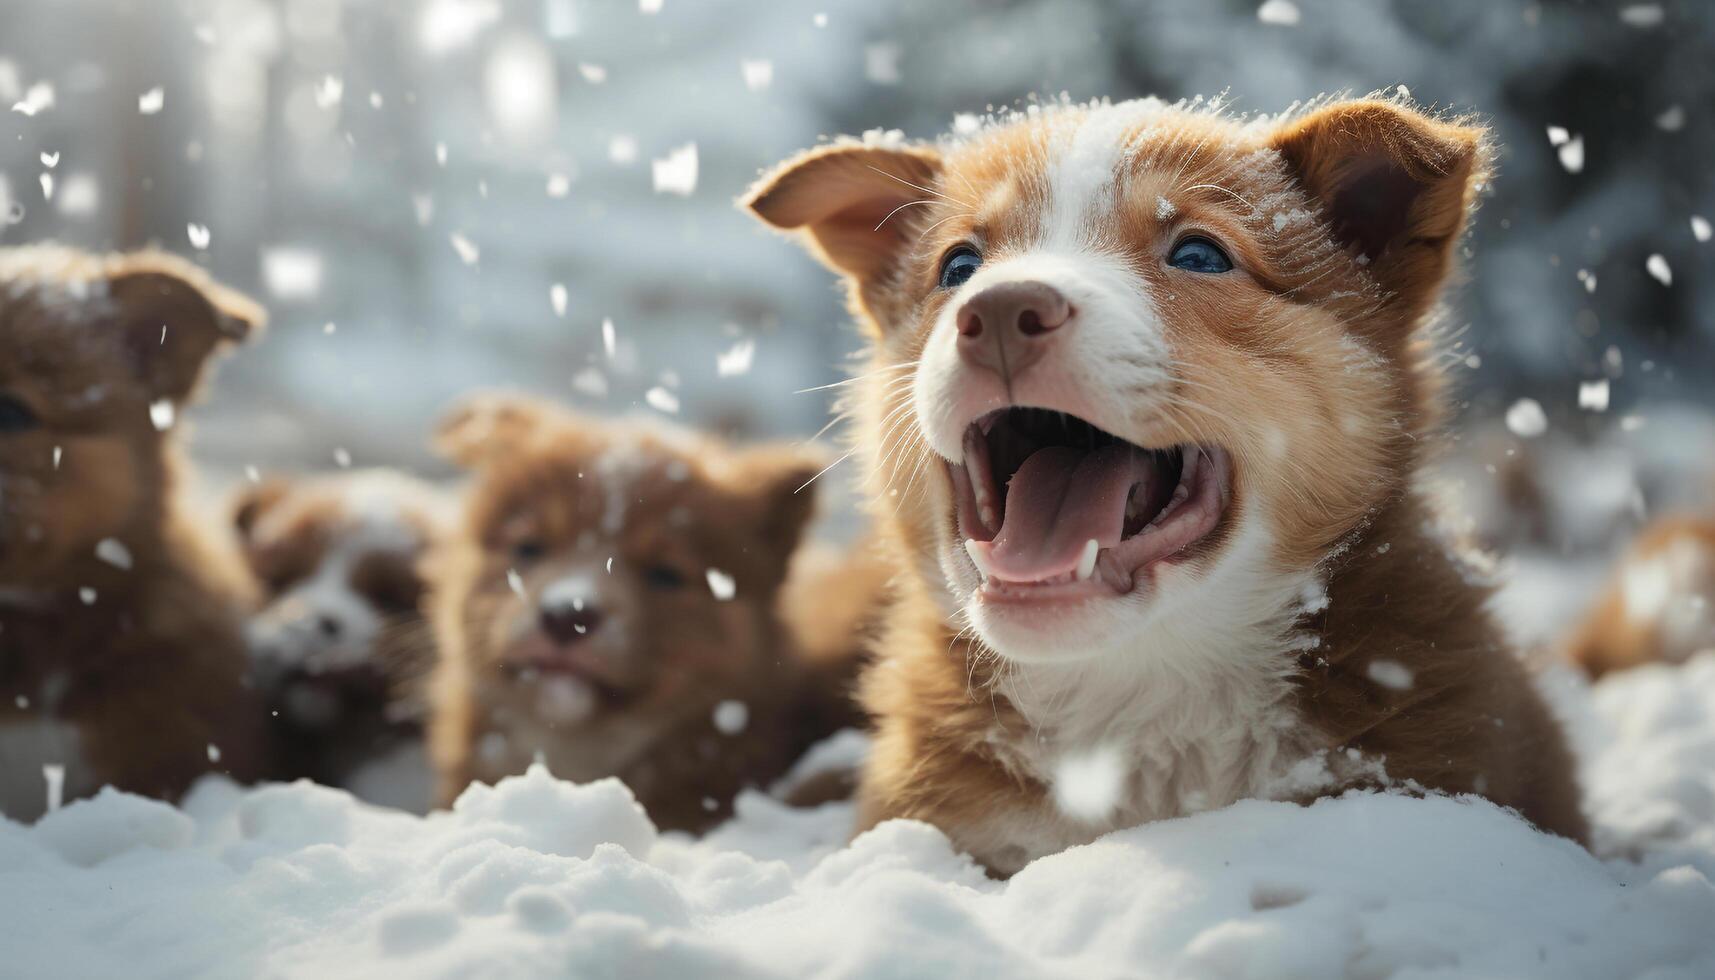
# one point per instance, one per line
(341, 630)
(97, 353)
(608, 582)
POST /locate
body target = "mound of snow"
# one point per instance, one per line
(540, 877)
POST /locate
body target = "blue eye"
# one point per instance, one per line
(959, 265)
(1199, 255)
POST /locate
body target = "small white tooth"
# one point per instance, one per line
(977, 558)
(1087, 561)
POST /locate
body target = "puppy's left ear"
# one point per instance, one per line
(843, 196)
(172, 317)
(1394, 185)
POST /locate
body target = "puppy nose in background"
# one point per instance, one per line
(1007, 326)
(568, 620)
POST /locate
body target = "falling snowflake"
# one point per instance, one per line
(559, 185)
(469, 254)
(1659, 269)
(594, 74)
(113, 552)
(515, 582)
(50, 160)
(662, 400)
(1672, 119)
(609, 337)
(152, 101)
(649, 6)
(1281, 13)
(1391, 674)
(677, 172)
(557, 298)
(1526, 419)
(758, 73)
(1700, 228)
(1593, 395)
(342, 458)
(162, 413)
(47, 187)
(1089, 784)
(198, 234)
(1571, 154)
(736, 359)
(731, 717)
(292, 272)
(721, 585)
(79, 196)
(213, 752)
(36, 98)
(329, 91)
(622, 149)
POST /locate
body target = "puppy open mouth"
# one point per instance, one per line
(1052, 506)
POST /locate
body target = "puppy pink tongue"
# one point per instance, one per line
(1059, 500)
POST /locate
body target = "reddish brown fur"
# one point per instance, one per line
(148, 673)
(1275, 345)
(1659, 606)
(665, 507)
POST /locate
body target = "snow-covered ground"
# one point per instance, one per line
(541, 877)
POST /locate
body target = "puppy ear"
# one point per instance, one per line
(1395, 185)
(255, 500)
(841, 195)
(485, 427)
(781, 478)
(172, 316)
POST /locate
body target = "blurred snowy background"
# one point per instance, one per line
(441, 194)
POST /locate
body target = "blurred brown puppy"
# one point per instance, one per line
(610, 604)
(121, 643)
(1656, 607)
(340, 648)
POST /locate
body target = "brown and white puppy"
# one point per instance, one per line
(121, 643)
(1659, 607)
(1147, 393)
(609, 604)
(340, 648)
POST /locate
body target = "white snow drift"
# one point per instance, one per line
(542, 877)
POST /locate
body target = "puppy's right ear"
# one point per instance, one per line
(256, 499)
(485, 427)
(173, 317)
(841, 196)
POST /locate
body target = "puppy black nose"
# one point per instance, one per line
(1007, 326)
(328, 626)
(568, 623)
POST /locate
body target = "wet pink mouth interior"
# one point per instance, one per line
(1046, 498)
